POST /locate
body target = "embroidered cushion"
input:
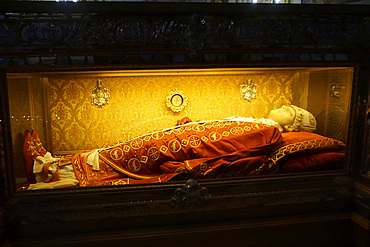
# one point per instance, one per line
(303, 150)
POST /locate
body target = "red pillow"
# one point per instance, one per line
(306, 143)
(300, 151)
(293, 137)
(312, 162)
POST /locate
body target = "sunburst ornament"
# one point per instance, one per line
(100, 95)
(176, 101)
(248, 90)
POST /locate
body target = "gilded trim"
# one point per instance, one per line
(304, 145)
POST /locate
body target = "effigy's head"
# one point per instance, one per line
(293, 118)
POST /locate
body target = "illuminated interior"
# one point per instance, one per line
(59, 105)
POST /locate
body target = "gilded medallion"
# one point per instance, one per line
(176, 101)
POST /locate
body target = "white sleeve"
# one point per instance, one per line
(40, 161)
(92, 159)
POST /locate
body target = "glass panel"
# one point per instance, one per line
(63, 108)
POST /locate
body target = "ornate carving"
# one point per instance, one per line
(191, 192)
(133, 31)
(196, 36)
(188, 33)
(46, 33)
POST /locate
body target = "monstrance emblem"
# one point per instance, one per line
(248, 90)
(100, 95)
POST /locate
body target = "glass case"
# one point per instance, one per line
(74, 112)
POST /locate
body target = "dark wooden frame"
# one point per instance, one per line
(247, 36)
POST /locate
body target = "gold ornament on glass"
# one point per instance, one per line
(100, 95)
(248, 90)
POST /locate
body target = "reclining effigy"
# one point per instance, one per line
(232, 147)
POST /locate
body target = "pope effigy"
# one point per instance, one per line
(235, 146)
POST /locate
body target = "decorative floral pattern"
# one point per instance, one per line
(138, 104)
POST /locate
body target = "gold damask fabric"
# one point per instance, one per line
(138, 104)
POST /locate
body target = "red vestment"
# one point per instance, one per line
(210, 149)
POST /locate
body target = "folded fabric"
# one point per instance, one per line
(40, 161)
(92, 159)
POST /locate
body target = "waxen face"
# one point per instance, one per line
(283, 116)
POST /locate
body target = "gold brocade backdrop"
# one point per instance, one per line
(58, 104)
(138, 103)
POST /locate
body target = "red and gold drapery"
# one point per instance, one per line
(210, 149)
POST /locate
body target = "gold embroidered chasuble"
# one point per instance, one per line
(209, 149)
